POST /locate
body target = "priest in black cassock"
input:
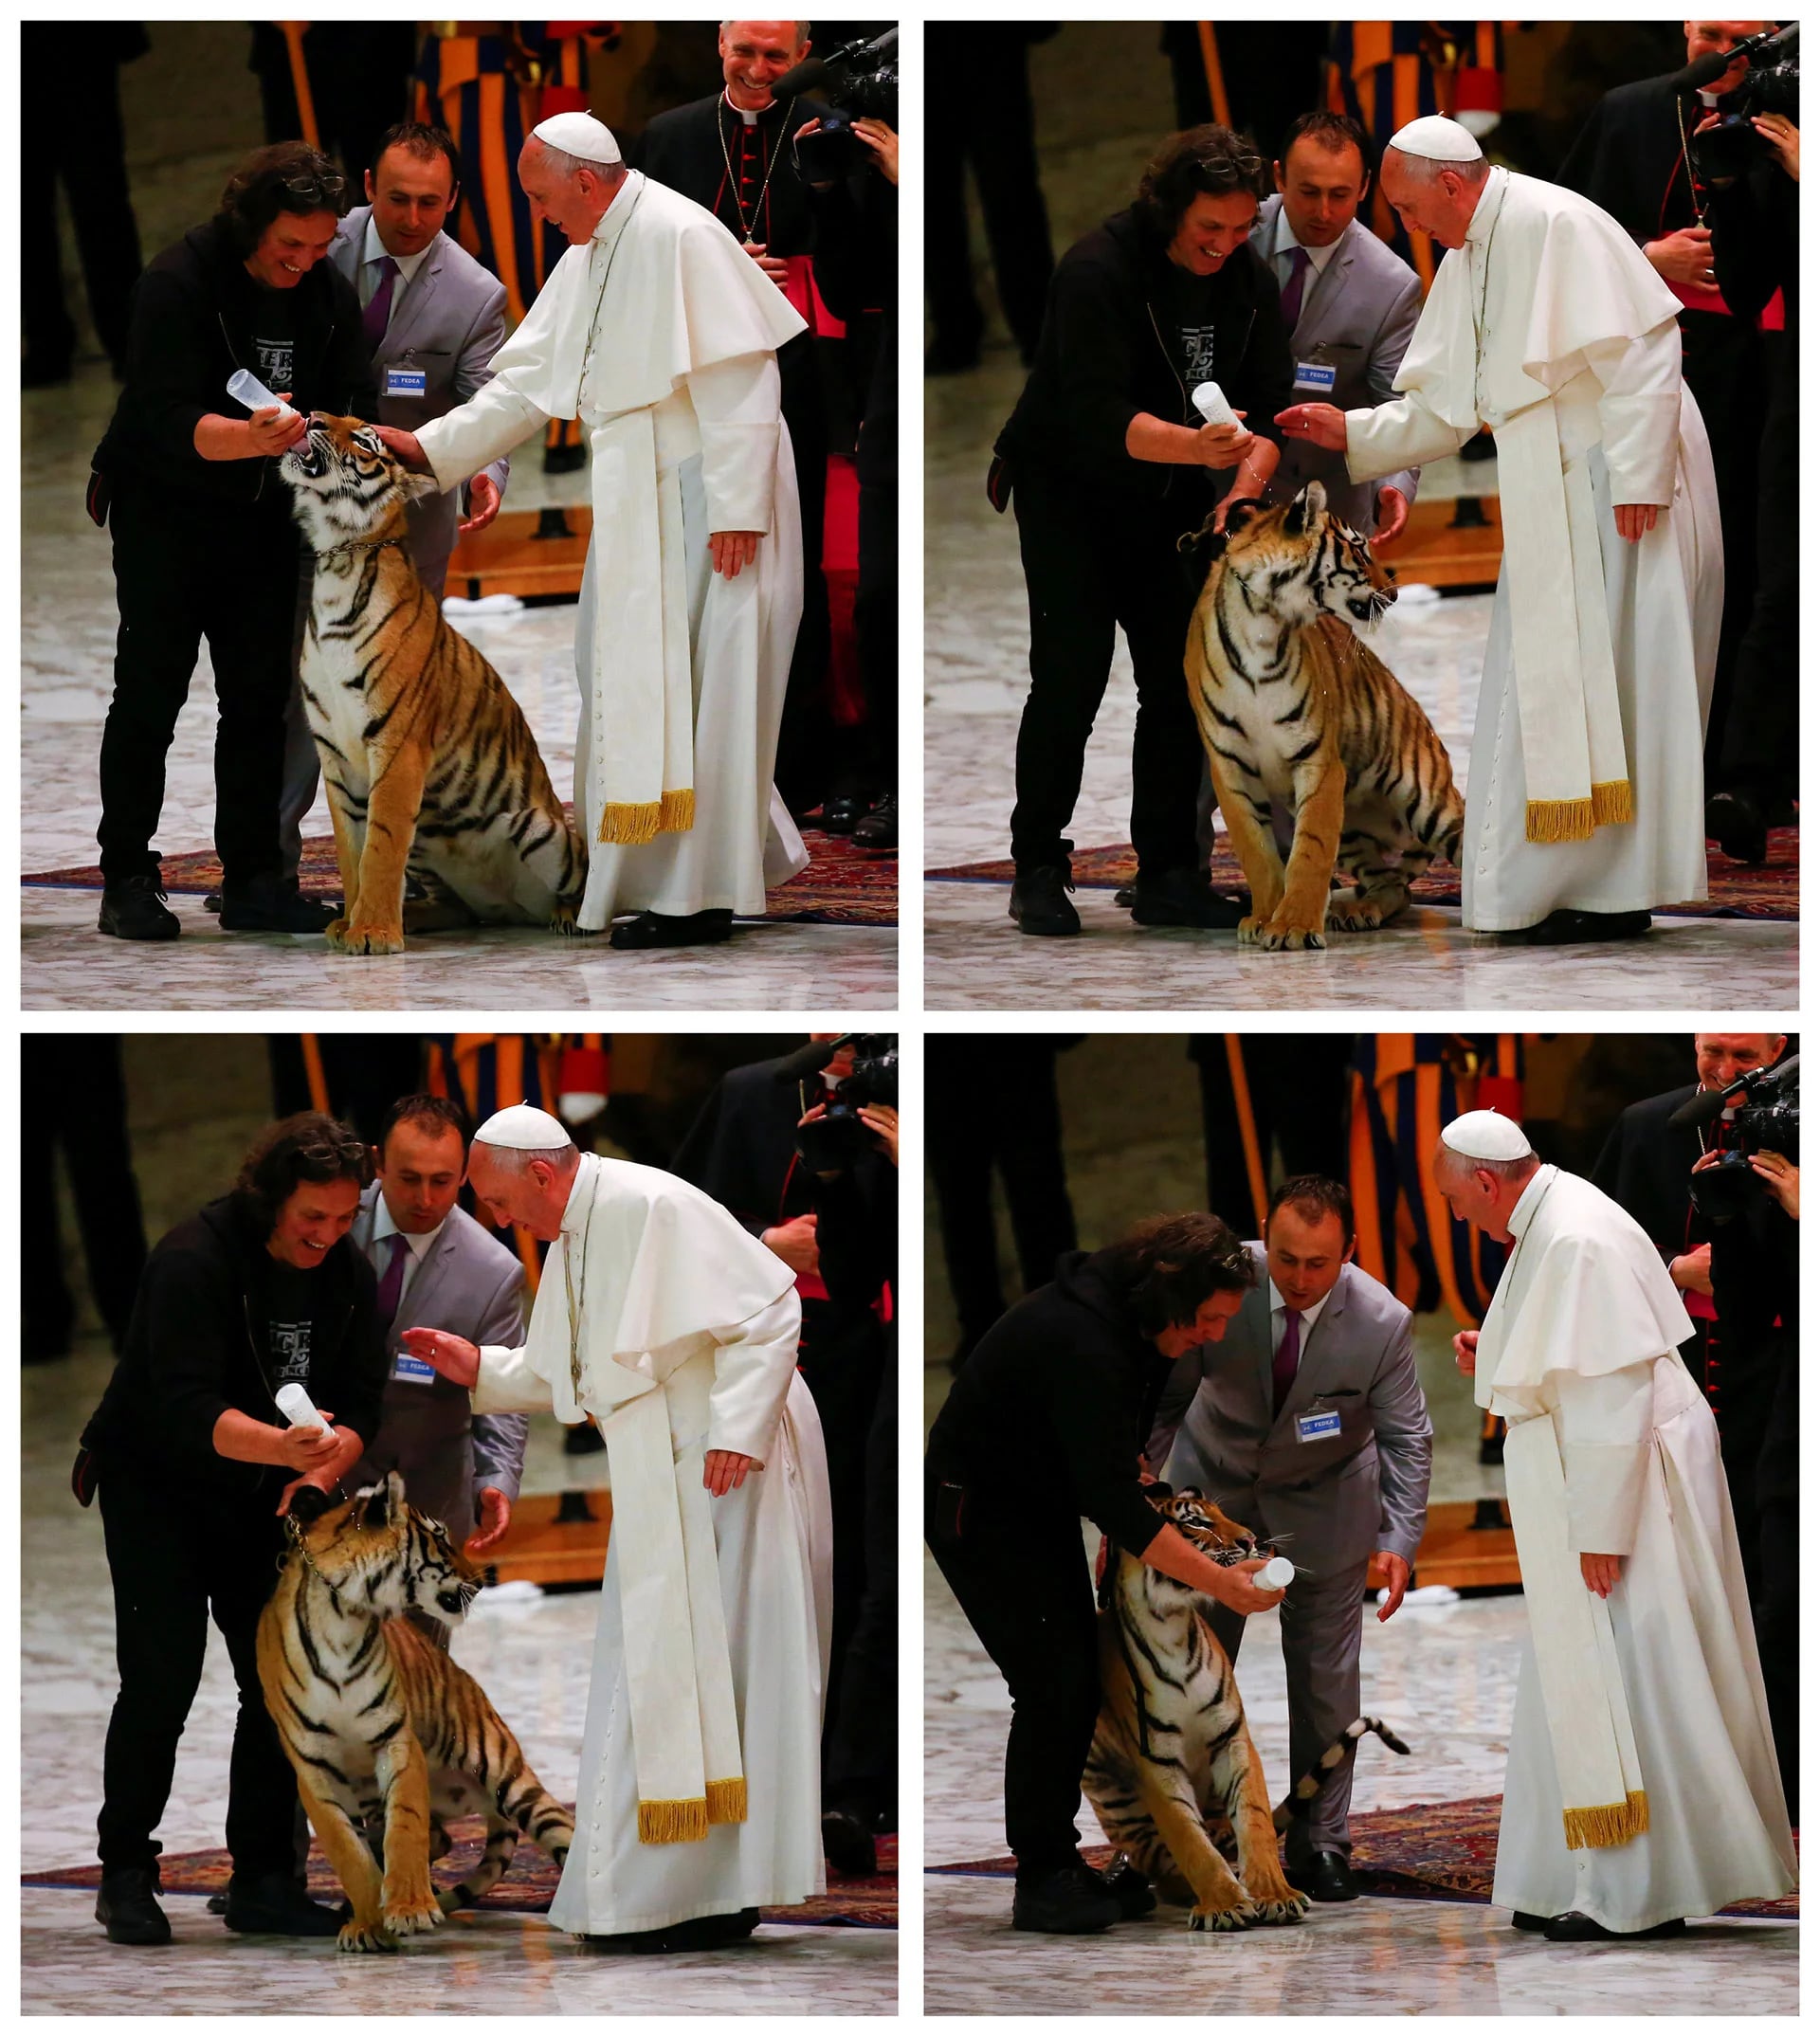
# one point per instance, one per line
(732, 153)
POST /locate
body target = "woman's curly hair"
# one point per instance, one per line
(308, 1147)
(1210, 161)
(1168, 1265)
(289, 177)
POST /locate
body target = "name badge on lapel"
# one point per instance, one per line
(417, 1373)
(1316, 1426)
(1316, 376)
(407, 382)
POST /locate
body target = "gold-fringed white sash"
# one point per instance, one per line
(1574, 771)
(1603, 1801)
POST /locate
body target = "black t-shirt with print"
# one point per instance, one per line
(1189, 304)
(287, 1324)
(275, 339)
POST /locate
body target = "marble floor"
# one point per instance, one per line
(523, 1649)
(67, 625)
(974, 675)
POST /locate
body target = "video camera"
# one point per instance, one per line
(860, 81)
(840, 1135)
(1772, 84)
(1769, 1121)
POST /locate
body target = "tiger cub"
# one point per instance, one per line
(379, 1722)
(1172, 1770)
(1293, 707)
(430, 764)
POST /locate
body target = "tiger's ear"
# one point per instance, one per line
(1307, 506)
(1242, 513)
(385, 1501)
(308, 1504)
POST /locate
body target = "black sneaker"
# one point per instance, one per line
(275, 1906)
(878, 829)
(1129, 1888)
(126, 1906)
(134, 909)
(1039, 899)
(270, 903)
(1183, 897)
(1072, 1901)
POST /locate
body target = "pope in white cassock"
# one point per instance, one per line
(659, 332)
(699, 1796)
(1641, 1786)
(1584, 792)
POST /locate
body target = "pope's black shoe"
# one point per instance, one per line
(661, 929)
(1565, 926)
(1070, 1903)
(1522, 1919)
(126, 1905)
(275, 1906)
(1129, 1888)
(1040, 899)
(271, 904)
(1182, 898)
(1325, 1877)
(1573, 1928)
(699, 1933)
(134, 909)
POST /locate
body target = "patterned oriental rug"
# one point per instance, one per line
(1769, 890)
(1426, 1852)
(842, 886)
(528, 1886)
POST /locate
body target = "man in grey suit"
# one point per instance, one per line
(1349, 305)
(1307, 1422)
(461, 1467)
(432, 318)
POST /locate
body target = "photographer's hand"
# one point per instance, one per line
(1781, 133)
(880, 1118)
(794, 1243)
(809, 127)
(1782, 1177)
(882, 142)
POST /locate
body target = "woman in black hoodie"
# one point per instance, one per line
(195, 1464)
(1046, 1425)
(1109, 463)
(204, 541)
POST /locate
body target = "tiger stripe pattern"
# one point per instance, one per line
(384, 1730)
(1173, 1776)
(431, 767)
(1293, 707)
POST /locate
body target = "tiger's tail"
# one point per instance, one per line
(502, 1843)
(1303, 1792)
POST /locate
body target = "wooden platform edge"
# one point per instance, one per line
(1454, 1551)
(555, 1537)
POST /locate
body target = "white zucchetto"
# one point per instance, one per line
(523, 1128)
(1434, 138)
(1485, 1134)
(579, 135)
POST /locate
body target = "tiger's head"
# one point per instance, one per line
(1299, 562)
(345, 484)
(381, 1556)
(1201, 1522)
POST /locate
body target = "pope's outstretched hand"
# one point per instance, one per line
(455, 1357)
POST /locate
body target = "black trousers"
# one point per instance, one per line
(1091, 565)
(993, 1102)
(990, 124)
(1025, 1588)
(89, 160)
(861, 1771)
(1778, 1597)
(1298, 1084)
(875, 627)
(72, 1102)
(1722, 361)
(185, 571)
(1763, 729)
(178, 1561)
(806, 734)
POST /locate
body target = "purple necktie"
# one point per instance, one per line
(392, 1285)
(1291, 301)
(377, 314)
(1283, 1369)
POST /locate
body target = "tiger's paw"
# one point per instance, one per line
(1282, 938)
(1251, 932)
(563, 921)
(1238, 1915)
(1355, 917)
(1290, 1907)
(354, 1936)
(410, 1917)
(355, 938)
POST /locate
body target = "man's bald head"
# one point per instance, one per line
(1721, 1058)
